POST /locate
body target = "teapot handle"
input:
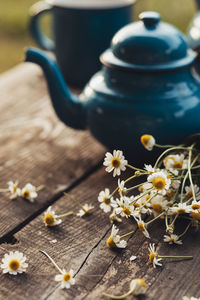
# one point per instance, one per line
(36, 12)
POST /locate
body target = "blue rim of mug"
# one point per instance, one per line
(111, 4)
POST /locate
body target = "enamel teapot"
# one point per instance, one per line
(147, 85)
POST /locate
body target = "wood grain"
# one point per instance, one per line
(36, 147)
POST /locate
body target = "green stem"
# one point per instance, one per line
(164, 146)
(127, 234)
(39, 188)
(190, 174)
(136, 169)
(143, 194)
(65, 215)
(118, 297)
(51, 259)
(185, 230)
(4, 190)
(151, 221)
(184, 257)
(134, 187)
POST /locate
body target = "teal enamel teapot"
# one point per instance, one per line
(147, 85)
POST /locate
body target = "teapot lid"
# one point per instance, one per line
(148, 45)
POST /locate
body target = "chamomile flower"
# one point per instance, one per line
(114, 218)
(115, 162)
(142, 227)
(125, 208)
(14, 190)
(150, 169)
(50, 218)
(29, 192)
(160, 182)
(121, 188)
(106, 200)
(137, 286)
(189, 193)
(172, 239)
(85, 210)
(114, 240)
(181, 208)
(158, 204)
(176, 161)
(66, 279)
(148, 141)
(14, 263)
(153, 256)
(195, 205)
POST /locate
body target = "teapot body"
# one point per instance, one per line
(122, 106)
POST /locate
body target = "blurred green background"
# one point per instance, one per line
(14, 17)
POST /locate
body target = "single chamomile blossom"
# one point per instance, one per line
(181, 208)
(106, 200)
(160, 182)
(66, 279)
(195, 205)
(114, 240)
(137, 287)
(121, 188)
(50, 218)
(153, 256)
(142, 227)
(124, 207)
(14, 263)
(14, 190)
(114, 218)
(115, 162)
(176, 161)
(172, 239)
(29, 192)
(85, 209)
(159, 204)
(148, 141)
(150, 169)
(189, 193)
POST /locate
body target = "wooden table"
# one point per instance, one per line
(36, 147)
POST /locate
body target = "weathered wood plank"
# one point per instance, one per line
(81, 244)
(35, 146)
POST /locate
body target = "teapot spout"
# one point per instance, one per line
(68, 107)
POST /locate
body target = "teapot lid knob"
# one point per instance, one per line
(150, 18)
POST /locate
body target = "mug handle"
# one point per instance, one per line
(36, 11)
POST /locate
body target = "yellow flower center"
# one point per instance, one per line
(171, 240)
(145, 139)
(196, 215)
(106, 200)
(170, 194)
(141, 281)
(115, 162)
(195, 206)
(14, 264)
(159, 183)
(136, 205)
(26, 194)
(127, 211)
(141, 189)
(189, 195)
(157, 207)
(67, 277)
(151, 256)
(49, 220)
(178, 165)
(14, 188)
(147, 197)
(110, 243)
(181, 210)
(141, 226)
